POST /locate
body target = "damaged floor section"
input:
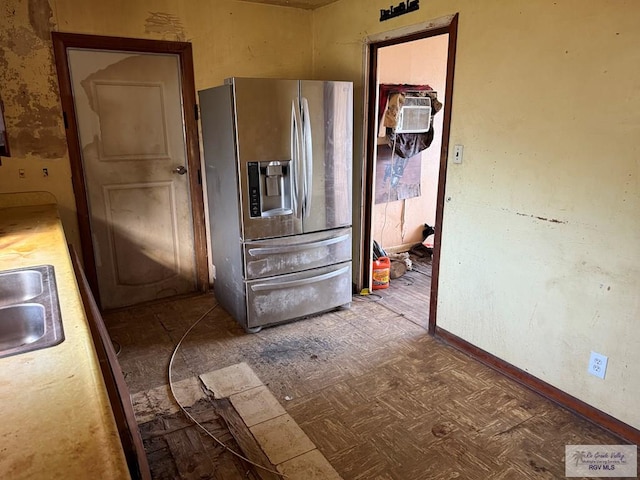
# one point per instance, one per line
(370, 390)
(177, 449)
(238, 410)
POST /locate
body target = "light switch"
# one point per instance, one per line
(457, 153)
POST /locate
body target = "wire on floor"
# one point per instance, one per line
(366, 296)
(190, 417)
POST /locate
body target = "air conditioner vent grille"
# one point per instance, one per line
(415, 115)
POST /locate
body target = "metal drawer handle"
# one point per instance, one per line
(260, 287)
(254, 252)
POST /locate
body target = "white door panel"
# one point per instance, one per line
(155, 257)
(132, 120)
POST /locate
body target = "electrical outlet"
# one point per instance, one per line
(597, 364)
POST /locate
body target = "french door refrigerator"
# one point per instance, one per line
(278, 160)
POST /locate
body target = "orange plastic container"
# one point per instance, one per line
(380, 276)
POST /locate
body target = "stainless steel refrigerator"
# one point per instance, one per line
(278, 162)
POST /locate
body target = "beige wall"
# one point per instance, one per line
(228, 37)
(421, 62)
(541, 240)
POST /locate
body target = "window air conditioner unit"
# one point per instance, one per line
(415, 115)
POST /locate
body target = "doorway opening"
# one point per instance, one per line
(410, 76)
(130, 115)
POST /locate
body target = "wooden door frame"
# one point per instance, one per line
(445, 25)
(63, 41)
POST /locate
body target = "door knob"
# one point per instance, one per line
(179, 170)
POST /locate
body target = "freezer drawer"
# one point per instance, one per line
(277, 256)
(278, 299)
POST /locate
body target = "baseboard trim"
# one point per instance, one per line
(405, 247)
(604, 420)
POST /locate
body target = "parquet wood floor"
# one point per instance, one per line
(409, 295)
(379, 397)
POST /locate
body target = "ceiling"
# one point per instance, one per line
(307, 4)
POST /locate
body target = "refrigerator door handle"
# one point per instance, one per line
(296, 283)
(294, 170)
(296, 158)
(296, 248)
(308, 157)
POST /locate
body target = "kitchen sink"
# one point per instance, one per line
(21, 325)
(29, 310)
(21, 285)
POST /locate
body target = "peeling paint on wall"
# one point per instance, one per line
(40, 18)
(29, 86)
(167, 25)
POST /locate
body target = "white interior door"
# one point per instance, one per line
(132, 137)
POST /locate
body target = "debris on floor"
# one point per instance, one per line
(400, 264)
(425, 249)
(397, 269)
